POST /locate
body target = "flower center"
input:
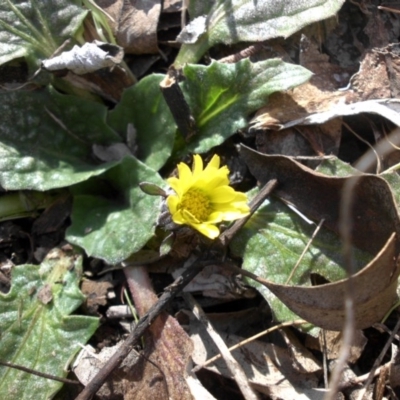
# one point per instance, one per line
(196, 203)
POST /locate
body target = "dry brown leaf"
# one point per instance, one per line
(317, 95)
(333, 344)
(375, 230)
(371, 81)
(319, 196)
(167, 346)
(134, 23)
(96, 293)
(374, 292)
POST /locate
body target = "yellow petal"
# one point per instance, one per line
(209, 230)
(215, 217)
(172, 203)
(213, 179)
(176, 185)
(222, 194)
(185, 174)
(240, 197)
(197, 166)
(233, 215)
(190, 218)
(214, 162)
(178, 218)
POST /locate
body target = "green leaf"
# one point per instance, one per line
(393, 179)
(37, 331)
(222, 96)
(35, 29)
(251, 21)
(144, 107)
(114, 227)
(46, 139)
(336, 167)
(271, 243)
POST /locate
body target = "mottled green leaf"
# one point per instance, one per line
(236, 21)
(120, 223)
(35, 29)
(144, 107)
(36, 328)
(46, 139)
(222, 96)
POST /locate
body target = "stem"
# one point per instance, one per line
(191, 53)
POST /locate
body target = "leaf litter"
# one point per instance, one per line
(312, 87)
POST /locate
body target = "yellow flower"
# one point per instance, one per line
(204, 198)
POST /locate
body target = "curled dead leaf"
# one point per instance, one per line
(318, 197)
(375, 229)
(374, 292)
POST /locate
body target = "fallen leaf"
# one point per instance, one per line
(88, 58)
(166, 344)
(134, 24)
(319, 196)
(375, 226)
(331, 343)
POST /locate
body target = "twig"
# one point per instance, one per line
(245, 53)
(177, 104)
(169, 293)
(362, 378)
(325, 359)
(37, 373)
(235, 369)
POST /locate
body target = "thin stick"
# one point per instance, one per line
(177, 104)
(305, 250)
(37, 373)
(245, 53)
(362, 378)
(251, 339)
